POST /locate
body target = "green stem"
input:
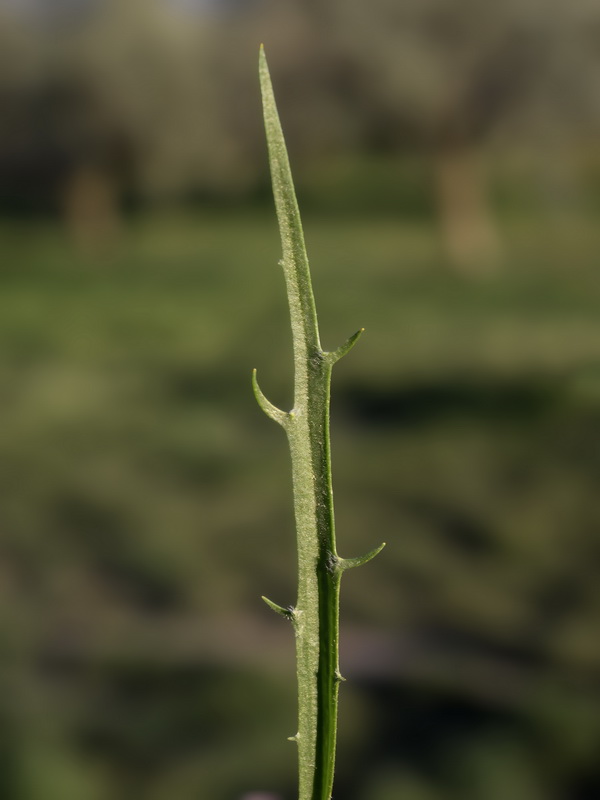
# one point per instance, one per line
(316, 615)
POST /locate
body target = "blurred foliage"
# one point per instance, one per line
(145, 503)
(161, 100)
(145, 506)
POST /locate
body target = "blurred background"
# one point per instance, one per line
(447, 157)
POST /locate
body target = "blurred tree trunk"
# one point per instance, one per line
(91, 209)
(468, 229)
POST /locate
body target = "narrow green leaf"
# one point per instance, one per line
(270, 410)
(295, 261)
(288, 613)
(335, 356)
(348, 563)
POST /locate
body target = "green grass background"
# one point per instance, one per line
(145, 505)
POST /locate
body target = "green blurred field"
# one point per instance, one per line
(145, 506)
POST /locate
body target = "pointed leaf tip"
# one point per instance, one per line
(270, 410)
(348, 563)
(288, 613)
(263, 66)
(346, 347)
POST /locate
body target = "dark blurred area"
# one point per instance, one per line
(448, 165)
